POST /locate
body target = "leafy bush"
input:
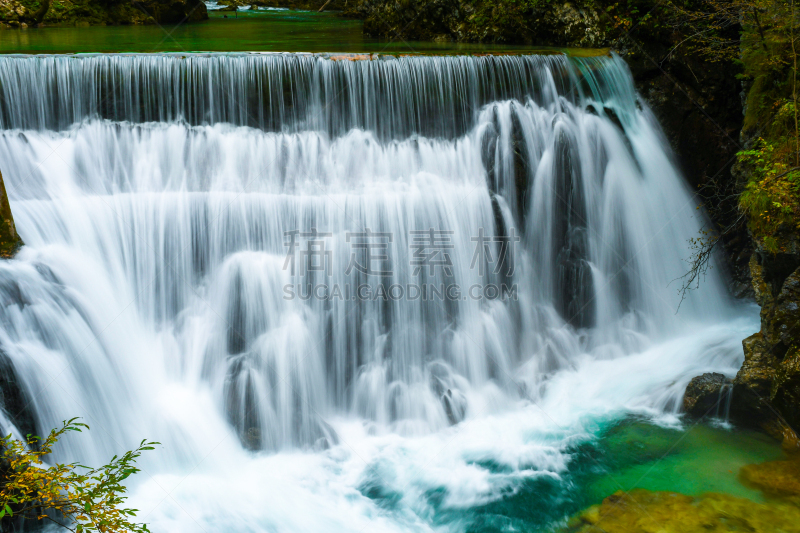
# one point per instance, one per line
(76, 497)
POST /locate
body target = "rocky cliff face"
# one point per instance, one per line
(766, 391)
(767, 387)
(21, 13)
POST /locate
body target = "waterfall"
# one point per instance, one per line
(340, 264)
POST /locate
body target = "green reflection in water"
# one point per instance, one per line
(249, 31)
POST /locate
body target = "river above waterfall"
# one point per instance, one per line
(248, 31)
(415, 293)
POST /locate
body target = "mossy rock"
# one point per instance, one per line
(643, 511)
(10, 241)
(774, 478)
(705, 394)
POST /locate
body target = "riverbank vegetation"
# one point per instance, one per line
(27, 13)
(73, 496)
(771, 197)
(764, 46)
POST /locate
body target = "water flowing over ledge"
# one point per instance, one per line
(156, 194)
(389, 96)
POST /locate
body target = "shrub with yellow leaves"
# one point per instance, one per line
(76, 497)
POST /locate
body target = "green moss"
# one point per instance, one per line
(642, 511)
(771, 197)
(774, 478)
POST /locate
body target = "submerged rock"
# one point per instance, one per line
(643, 511)
(774, 478)
(707, 395)
(455, 406)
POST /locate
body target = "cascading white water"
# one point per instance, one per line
(155, 296)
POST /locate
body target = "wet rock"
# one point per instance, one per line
(455, 406)
(707, 395)
(758, 370)
(782, 322)
(10, 241)
(14, 400)
(761, 289)
(251, 438)
(767, 387)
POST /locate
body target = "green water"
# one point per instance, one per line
(627, 455)
(693, 461)
(260, 31)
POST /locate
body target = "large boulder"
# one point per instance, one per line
(708, 395)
